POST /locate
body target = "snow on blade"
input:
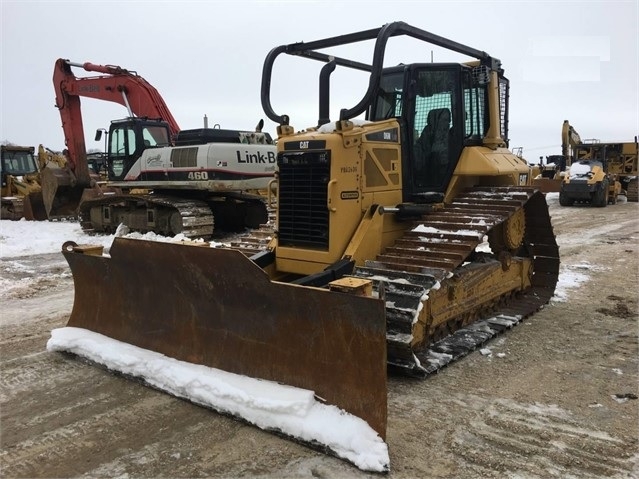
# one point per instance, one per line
(266, 404)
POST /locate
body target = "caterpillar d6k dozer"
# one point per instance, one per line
(402, 242)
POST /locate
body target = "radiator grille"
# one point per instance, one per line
(303, 214)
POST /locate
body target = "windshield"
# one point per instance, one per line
(389, 97)
(18, 162)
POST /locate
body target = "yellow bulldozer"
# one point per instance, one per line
(22, 180)
(21, 190)
(403, 241)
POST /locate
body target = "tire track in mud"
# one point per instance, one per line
(543, 440)
(85, 413)
(25, 373)
(18, 341)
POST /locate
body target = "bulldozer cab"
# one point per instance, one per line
(127, 140)
(441, 107)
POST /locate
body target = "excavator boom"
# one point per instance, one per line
(551, 175)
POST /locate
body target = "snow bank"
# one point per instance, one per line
(24, 238)
(266, 404)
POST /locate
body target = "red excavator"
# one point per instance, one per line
(183, 179)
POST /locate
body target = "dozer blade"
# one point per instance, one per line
(217, 308)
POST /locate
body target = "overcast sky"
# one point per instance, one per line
(575, 61)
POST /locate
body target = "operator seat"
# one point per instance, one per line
(432, 148)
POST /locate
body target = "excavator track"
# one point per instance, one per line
(442, 247)
(437, 250)
(164, 215)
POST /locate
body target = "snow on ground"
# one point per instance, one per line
(24, 238)
(571, 277)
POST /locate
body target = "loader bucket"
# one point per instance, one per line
(34, 209)
(217, 308)
(60, 193)
(548, 185)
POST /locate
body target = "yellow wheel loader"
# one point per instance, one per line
(621, 161)
(594, 177)
(403, 241)
(21, 189)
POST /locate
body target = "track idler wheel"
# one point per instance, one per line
(509, 235)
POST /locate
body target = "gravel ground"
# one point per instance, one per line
(554, 397)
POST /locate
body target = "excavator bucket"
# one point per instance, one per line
(216, 307)
(60, 193)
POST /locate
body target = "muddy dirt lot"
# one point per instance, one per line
(554, 397)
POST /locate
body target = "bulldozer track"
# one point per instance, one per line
(258, 239)
(433, 251)
(196, 216)
(633, 190)
(442, 243)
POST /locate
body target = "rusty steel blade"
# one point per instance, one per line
(217, 308)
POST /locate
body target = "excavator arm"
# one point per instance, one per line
(63, 187)
(569, 139)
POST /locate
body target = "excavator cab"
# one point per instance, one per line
(127, 140)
